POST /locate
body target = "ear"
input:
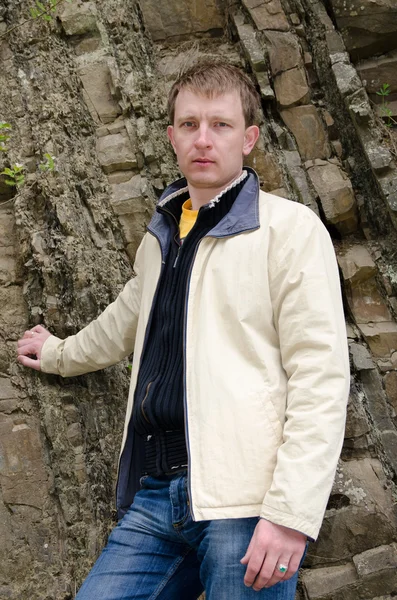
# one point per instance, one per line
(170, 133)
(250, 138)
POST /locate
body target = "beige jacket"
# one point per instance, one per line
(266, 361)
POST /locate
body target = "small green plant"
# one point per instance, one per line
(14, 175)
(4, 137)
(48, 165)
(384, 92)
(44, 9)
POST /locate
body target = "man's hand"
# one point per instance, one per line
(30, 345)
(271, 546)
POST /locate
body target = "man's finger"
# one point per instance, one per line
(25, 342)
(26, 361)
(293, 566)
(28, 334)
(253, 568)
(29, 348)
(39, 329)
(266, 572)
(279, 573)
(247, 555)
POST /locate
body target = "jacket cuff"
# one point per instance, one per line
(291, 521)
(49, 355)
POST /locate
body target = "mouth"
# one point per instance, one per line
(203, 161)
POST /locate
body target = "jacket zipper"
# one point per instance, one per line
(175, 240)
(177, 256)
(189, 482)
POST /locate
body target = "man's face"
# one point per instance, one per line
(210, 138)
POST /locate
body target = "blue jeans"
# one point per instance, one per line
(157, 552)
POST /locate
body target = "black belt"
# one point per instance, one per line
(165, 453)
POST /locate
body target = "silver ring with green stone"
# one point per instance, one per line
(282, 568)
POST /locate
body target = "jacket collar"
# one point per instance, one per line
(243, 215)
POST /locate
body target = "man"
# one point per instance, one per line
(240, 375)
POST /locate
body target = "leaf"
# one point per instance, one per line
(5, 126)
(7, 171)
(10, 182)
(40, 5)
(47, 17)
(34, 13)
(50, 160)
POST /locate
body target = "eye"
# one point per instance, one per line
(188, 124)
(221, 124)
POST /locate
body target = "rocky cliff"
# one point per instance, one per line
(87, 88)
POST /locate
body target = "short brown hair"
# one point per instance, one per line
(211, 78)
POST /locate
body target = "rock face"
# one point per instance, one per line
(336, 195)
(368, 27)
(178, 19)
(308, 130)
(89, 89)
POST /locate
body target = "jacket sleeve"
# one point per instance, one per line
(308, 316)
(104, 342)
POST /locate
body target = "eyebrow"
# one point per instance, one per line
(213, 117)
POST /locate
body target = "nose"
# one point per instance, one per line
(203, 138)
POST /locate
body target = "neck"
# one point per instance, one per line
(201, 196)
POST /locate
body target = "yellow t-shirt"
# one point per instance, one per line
(188, 219)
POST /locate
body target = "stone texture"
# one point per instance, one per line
(252, 48)
(179, 18)
(365, 300)
(359, 503)
(356, 423)
(305, 124)
(346, 77)
(265, 164)
(133, 209)
(361, 357)
(357, 264)
(291, 87)
(376, 559)
(115, 153)
(124, 194)
(284, 51)
(265, 88)
(381, 337)
(391, 388)
(298, 179)
(320, 583)
(8, 274)
(79, 18)
(388, 184)
(267, 14)
(379, 156)
(336, 196)
(368, 28)
(378, 70)
(98, 87)
(367, 304)
(22, 475)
